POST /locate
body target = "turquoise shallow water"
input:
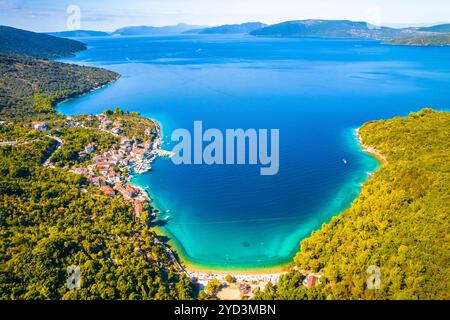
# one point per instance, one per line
(315, 91)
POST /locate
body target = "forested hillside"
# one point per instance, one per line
(51, 218)
(24, 80)
(27, 43)
(400, 222)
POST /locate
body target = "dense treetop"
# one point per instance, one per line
(51, 219)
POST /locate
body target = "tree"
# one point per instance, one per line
(229, 278)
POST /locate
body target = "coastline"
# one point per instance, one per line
(191, 268)
(63, 100)
(371, 150)
(155, 150)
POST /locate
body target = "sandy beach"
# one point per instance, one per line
(377, 154)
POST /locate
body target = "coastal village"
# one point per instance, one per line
(112, 170)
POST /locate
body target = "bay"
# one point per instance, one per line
(315, 91)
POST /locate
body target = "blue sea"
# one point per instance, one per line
(315, 91)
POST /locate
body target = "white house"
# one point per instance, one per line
(90, 148)
(40, 126)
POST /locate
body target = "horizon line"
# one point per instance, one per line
(393, 25)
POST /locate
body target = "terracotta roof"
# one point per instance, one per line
(107, 190)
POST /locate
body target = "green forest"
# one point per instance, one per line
(51, 218)
(30, 87)
(399, 222)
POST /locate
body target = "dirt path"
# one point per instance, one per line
(60, 144)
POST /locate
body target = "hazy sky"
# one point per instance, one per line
(51, 15)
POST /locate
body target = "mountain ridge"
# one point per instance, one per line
(78, 33)
(241, 28)
(327, 28)
(150, 30)
(38, 45)
(440, 28)
(293, 28)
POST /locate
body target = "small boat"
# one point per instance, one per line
(344, 161)
(168, 210)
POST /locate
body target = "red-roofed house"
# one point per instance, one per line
(138, 153)
(126, 191)
(311, 280)
(132, 192)
(138, 208)
(108, 190)
(102, 165)
(40, 126)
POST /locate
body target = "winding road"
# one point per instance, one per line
(18, 143)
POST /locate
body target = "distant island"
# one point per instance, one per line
(441, 28)
(426, 40)
(149, 30)
(79, 34)
(355, 30)
(328, 29)
(243, 28)
(334, 29)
